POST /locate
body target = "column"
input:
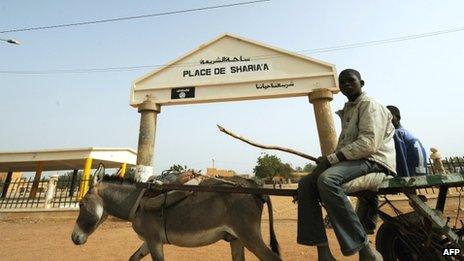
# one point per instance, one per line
(35, 183)
(123, 170)
(320, 98)
(148, 114)
(51, 191)
(85, 179)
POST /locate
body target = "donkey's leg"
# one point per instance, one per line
(237, 249)
(156, 249)
(252, 239)
(140, 253)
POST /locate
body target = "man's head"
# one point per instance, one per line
(350, 83)
(396, 115)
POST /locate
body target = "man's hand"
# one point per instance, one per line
(331, 159)
(323, 162)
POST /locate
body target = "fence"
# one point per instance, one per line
(451, 165)
(53, 192)
(62, 192)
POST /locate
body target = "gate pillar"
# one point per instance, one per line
(320, 98)
(148, 114)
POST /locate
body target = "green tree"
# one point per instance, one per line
(178, 167)
(285, 170)
(65, 180)
(269, 166)
(309, 167)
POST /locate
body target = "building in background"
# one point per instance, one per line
(214, 172)
(14, 178)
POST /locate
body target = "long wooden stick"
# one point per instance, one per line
(252, 143)
(219, 189)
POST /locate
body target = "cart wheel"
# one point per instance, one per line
(394, 245)
(390, 245)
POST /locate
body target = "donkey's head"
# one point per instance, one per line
(91, 210)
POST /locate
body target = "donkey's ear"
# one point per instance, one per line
(98, 175)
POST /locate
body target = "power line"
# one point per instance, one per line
(130, 17)
(261, 57)
(384, 41)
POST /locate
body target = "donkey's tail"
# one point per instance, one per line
(273, 242)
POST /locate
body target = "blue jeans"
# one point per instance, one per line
(326, 188)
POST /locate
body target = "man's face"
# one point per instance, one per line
(350, 85)
(395, 121)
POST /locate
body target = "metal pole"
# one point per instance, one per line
(148, 114)
(72, 187)
(6, 185)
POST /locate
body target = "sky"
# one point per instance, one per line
(69, 110)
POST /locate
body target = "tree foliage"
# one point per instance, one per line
(65, 180)
(309, 167)
(178, 167)
(269, 166)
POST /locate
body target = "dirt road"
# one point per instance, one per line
(48, 238)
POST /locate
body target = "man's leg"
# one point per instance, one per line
(311, 230)
(366, 209)
(347, 227)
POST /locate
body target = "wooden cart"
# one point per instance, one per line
(419, 235)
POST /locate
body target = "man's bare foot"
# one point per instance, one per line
(369, 253)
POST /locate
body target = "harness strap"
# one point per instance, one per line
(164, 217)
(136, 205)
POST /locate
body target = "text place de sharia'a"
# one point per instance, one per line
(226, 70)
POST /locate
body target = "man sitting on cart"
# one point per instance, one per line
(411, 157)
(410, 161)
(365, 145)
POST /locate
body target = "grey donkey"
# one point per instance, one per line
(197, 219)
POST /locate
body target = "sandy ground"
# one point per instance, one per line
(48, 238)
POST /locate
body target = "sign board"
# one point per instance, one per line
(232, 68)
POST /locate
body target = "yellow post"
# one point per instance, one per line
(123, 170)
(85, 178)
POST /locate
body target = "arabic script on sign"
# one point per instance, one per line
(273, 85)
(225, 59)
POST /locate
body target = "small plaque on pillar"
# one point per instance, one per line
(182, 93)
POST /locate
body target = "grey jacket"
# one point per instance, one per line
(367, 132)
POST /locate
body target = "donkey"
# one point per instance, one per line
(200, 219)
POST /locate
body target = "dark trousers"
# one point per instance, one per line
(325, 187)
(366, 209)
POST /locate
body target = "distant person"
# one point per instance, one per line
(437, 161)
(411, 157)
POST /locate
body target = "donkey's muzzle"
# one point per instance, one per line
(78, 236)
(78, 239)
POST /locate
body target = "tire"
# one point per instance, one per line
(390, 245)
